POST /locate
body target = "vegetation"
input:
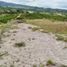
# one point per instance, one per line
(50, 62)
(49, 26)
(35, 28)
(7, 17)
(3, 54)
(46, 21)
(34, 65)
(20, 44)
(42, 65)
(61, 37)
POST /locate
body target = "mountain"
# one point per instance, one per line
(26, 7)
(13, 5)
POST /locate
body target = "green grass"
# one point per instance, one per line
(7, 17)
(50, 16)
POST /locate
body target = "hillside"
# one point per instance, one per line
(26, 7)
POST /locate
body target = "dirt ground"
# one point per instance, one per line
(39, 48)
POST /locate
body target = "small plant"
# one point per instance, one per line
(50, 62)
(35, 28)
(12, 65)
(20, 44)
(59, 37)
(65, 39)
(34, 65)
(41, 65)
(14, 31)
(29, 27)
(3, 54)
(63, 66)
(65, 47)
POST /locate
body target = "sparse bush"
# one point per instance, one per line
(20, 44)
(41, 65)
(59, 37)
(50, 62)
(2, 54)
(65, 39)
(29, 27)
(12, 65)
(35, 28)
(63, 66)
(34, 65)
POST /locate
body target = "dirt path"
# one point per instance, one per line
(39, 48)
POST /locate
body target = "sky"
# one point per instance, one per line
(62, 4)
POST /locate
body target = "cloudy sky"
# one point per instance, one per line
(42, 3)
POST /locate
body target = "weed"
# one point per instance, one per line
(20, 44)
(41, 65)
(3, 54)
(12, 65)
(34, 65)
(59, 37)
(50, 62)
(35, 28)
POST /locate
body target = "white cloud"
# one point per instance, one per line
(42, 3)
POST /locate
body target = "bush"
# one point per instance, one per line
(50, 62)
(20, 44)
(34, 65)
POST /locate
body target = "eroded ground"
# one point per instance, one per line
(37, 48)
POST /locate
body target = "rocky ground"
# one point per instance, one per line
(35, 48)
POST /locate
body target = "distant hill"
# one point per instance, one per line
(13, 5)
(25, 7)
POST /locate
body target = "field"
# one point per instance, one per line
(54, 23)
(33, 39)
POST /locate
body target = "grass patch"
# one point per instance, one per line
(20, 44)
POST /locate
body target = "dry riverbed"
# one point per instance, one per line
(23, 47)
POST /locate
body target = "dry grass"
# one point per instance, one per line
(50, 26)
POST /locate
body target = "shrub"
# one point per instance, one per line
(34, 65)
(41, 65)
(35, 28)
(59, 37)
(20, 44)
(50, 62)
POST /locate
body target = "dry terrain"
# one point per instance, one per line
(23, 47)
